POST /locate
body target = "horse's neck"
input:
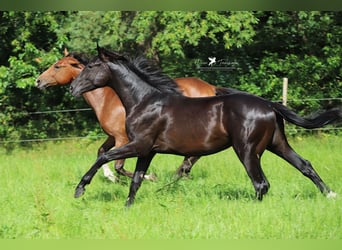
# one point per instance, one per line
(99, 100)
(77, 71)
(131, 90)
(74, 72)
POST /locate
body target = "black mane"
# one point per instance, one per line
(149, 71)
(81, 57)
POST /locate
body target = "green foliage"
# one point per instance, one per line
(258, 49)
(302, 46)
(33, 46)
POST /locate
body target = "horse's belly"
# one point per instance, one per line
(192, 143)
(194, 130)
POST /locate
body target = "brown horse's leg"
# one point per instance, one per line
(119, 164)
(107, 145)
(186, 166)
(120, 170)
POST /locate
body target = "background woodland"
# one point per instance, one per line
(253, 50)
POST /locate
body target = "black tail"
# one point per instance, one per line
(319, 121)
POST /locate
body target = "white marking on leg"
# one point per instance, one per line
(331, 194)
(150, 177)
(108, 173)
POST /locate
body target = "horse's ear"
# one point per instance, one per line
(106, 55)
(101, 52)
(98, 48)
(66, 52)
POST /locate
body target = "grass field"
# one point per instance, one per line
(216, 202)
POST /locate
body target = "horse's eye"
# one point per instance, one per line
(93, 65)
(57, 66)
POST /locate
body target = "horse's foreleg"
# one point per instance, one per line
(120, 170)
(186, 166)
(123, 152)
(119, 164)
(141, 167)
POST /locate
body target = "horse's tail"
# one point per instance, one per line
(227, 91)
(319, 121)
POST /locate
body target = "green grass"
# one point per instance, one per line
(216, 202)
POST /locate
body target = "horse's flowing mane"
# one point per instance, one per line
(148, 70)
(81, 57)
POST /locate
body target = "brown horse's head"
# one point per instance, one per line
(62, 72)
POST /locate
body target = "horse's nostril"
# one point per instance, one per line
(38, 83)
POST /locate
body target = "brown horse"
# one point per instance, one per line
(161, 120)
(109, 109)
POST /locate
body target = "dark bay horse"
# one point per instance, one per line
(161, 120)
(109, 109)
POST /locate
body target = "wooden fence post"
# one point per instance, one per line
(285, 84)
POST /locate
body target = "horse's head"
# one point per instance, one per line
(95, 75)
(61, 72)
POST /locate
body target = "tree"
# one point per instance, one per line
(257, 49)
(31, 44)
(303, 46)
(167, 36)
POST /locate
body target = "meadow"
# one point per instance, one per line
(215, 202)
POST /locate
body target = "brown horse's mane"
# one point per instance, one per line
(81, 57)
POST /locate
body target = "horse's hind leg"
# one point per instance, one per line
(251, 162)
(281, 148)
(186, 166)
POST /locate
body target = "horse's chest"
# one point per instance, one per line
(144, 120)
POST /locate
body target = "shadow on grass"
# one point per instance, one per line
(107, 196)
(222, 191)
(306, 195)
(238, 193)
(225, 192)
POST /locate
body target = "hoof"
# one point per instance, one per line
(150, 177)
(129, 203)
(79, 192)
(331, 195)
